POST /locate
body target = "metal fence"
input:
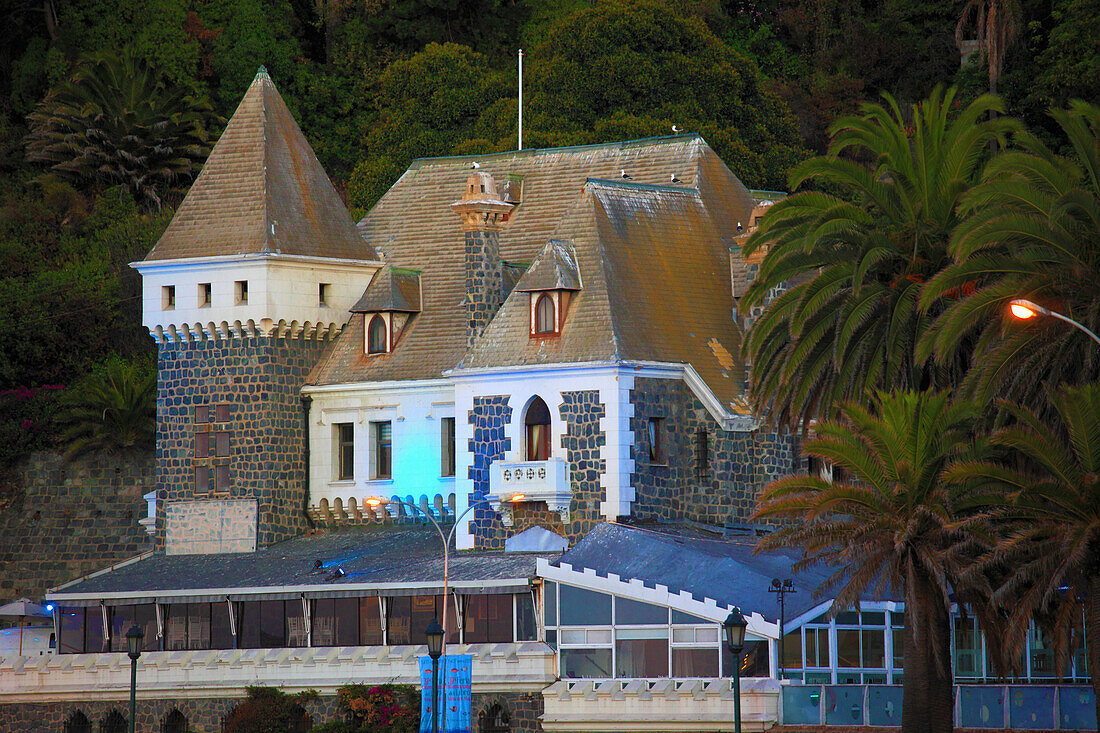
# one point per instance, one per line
(1020, 707)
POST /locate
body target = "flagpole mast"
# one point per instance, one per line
(520, 99)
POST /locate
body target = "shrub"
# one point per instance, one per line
(270, 710)
(380, 708)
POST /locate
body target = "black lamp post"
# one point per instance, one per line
(134, 637)
(781, 588)
(434, 633)
(734, 626)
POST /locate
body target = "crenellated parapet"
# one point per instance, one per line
(226, 331)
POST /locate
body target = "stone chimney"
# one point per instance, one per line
(483, 214)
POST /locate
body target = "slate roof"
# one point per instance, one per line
(388, 554)
(724, 569)
(554, 269)
(262, 191)
(414, 227)
(391, 289)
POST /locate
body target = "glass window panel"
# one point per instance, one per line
(345, 444)
(370, 622)
(966, 652)
(848, 678)
(874, 678)
(641, 658)
(822, 619)
(754, 660)
(874, 618)
(572, 636)
(221, 635)
(120, 618)
(552, 638)
(635, 633)
(221, 478)
(202, 445)
(94, 640)
(488, 619)
(848, 618)
(847, 648)
(272, 624)
(899, 648)
(874, 648)
(598, 636)
(248, 624)
(683, 636)
(708, 634)
(423, 610)
(198, 625)
(550, 602)
(817, 647)
(631, 612)
(221, 441)
(202, 479)
(580, 607)
(586, 663)
(398, 620)
(324, 622)
(447, 446)
(202, 413)
(72, 631)
(383, 445)
(695, 662)
(1040, 654)
(897, 619)
(346, 614)
(679, 617)
(221, 413)
(792, 650)
(526, 628)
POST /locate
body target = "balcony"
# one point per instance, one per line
(546, 481)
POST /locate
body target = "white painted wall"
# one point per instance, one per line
(414, 409)
(281, 288)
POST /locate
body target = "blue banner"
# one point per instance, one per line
(455, 673)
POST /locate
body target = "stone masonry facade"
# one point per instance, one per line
(258, 381)
(707, 474)
(581, 412)
(76, 517)
(484, 285)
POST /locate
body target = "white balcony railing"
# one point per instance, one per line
(546, 481)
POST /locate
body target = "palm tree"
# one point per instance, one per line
(860, 257)
(1031, 229)
(117, 123)
(111, 410)
(896, 526)
(1053, 542)
(997, 23)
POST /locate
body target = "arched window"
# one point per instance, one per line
(376, 336)
(174, 722)
(537, 424)
(77, 722)
(544, 314)
(494, 719)
(115, 722)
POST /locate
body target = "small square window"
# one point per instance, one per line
(242, 292)
(202, 445)
(168, 297)
(202, 479)
(202, 414)
(205, 294)
(323, 293)
(657, 441)
(221, 413)
(221, 478)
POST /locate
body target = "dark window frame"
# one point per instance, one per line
(536, 442)
(447, 447)
(373, 347)
(656, 436)
(345, 451)
(382, 442)
(539, 326)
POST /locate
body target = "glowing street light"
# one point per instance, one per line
(1024, 309)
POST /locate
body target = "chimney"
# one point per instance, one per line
(483, 214)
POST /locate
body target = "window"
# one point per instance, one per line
(641, 652)
(202, 414)
(242, 292)
(221, 478)
(221, 443)
(202, 445)
(487, 619)
(168, 297)
(202, 479)
(537, 424)
(174, 722)
(376, 336)
(323, 293)
(447, 446)
(526, 628)
(967, 651)
(205, 295)
(345, 451)
(221, 413)
(656, 440)
(383, 448)
(544, 315)
(78, 722)
(702, 453)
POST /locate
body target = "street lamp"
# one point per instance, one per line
(781, 588)
(134, 637)
(735, 626)
(1024, 309)
(434, 632)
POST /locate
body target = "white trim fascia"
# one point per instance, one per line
(475, 374)
(395, 385)
(658, 594)
(287, 589)
(219, 260)
(666, 370)
(807, 616)
(104, 571)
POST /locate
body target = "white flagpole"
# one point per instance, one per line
(520, 99)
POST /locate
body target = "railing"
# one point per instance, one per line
(546, 481)
(1020, 707)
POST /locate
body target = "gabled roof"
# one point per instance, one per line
(414, 227)
(262, 191)
(391, 289)
(554, 269)
(655, 266)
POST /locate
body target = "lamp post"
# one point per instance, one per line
(781, 588)
(1024, 309)
(734, 626)
(134, 637)
(435, 635)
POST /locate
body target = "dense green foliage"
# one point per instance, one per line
(111, 410)
(270, 710)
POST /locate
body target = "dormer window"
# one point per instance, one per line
(377, 335)
(548, 309)
(544, 315)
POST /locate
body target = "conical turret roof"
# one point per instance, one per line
(262, 191)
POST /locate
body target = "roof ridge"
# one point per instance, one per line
(260, 77)
(525, 152)
(612, 183)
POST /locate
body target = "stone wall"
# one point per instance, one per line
(76, 517)
(738, 464)
(484, 288)
(204, 715)
(580, 412)
(260, 379)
